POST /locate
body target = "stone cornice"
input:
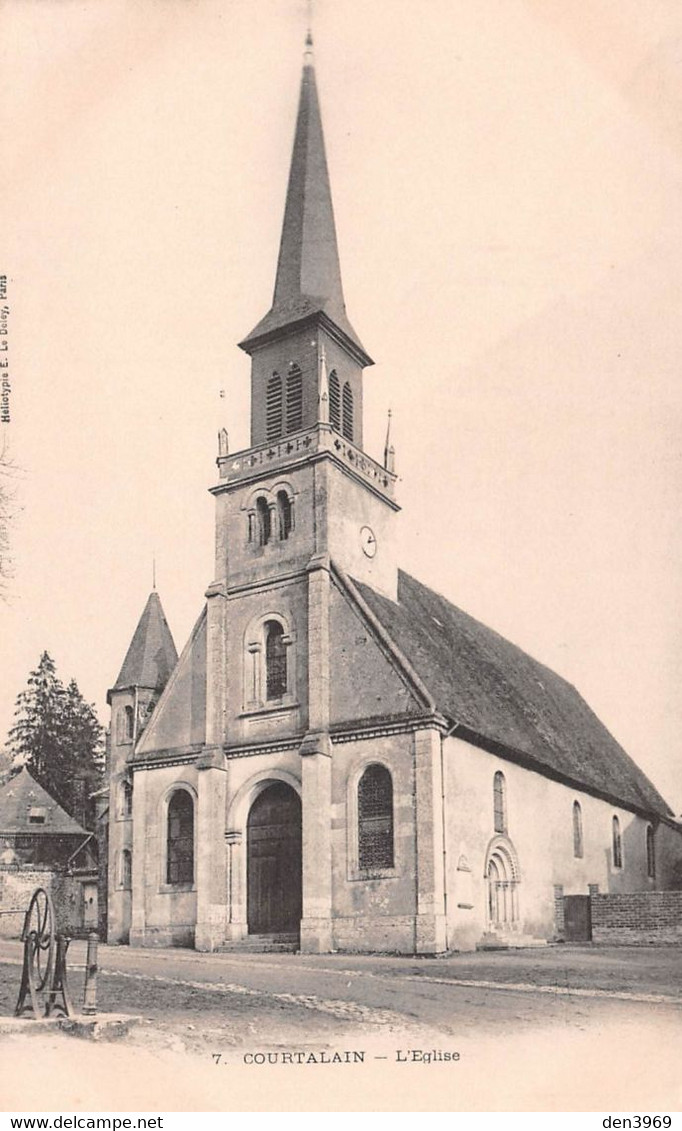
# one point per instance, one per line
(316, 443)
(379, 727)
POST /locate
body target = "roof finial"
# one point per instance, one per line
(389, 450)
(388, 437)
(308, 56)
(154, 571)
(323, 394)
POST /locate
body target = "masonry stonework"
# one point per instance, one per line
(341, 759)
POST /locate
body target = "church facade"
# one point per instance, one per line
(340, 758)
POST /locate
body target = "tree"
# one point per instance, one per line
(85, 742)
(59, 739)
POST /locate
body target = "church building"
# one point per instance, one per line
(341, 759)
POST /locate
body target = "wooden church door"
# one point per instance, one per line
(273, 846)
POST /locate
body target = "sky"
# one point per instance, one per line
(506, 179)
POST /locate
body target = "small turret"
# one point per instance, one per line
(148, 663)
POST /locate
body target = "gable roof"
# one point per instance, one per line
(152, 654)
(505, 699)
(19, 796)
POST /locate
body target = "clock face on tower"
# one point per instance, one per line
(368, 541)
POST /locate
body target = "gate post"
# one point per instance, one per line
(90, 991)
(559, 925)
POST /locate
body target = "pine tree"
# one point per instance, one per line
(58, 737)
(83, 737)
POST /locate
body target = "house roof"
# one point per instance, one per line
(20, 797)
(308, 280)
(506, 700)
(152, 654)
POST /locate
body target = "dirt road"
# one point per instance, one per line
(564, 1028)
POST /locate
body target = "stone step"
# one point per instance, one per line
(508, 940)
(262, 944)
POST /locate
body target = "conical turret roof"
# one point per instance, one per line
(152, 654)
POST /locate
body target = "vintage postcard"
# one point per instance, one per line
(340, 555)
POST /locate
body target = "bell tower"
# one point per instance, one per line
(308, 318)
(298, 509)
(306, 488)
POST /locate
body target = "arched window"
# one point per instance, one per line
(334, 401)
(126, 876)
(130, 723)
(617, 843)
(263, 520)
(125, 802)
(275, 661)
(180, 839)
(577, 830)
(285, 514)
(273, 408)
(499, 803)
(347, 411)
(294, 399)
(124, 725)
(375, 818)
(650, 853)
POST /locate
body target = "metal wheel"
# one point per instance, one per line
(39, 927)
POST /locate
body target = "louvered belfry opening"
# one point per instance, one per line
(273, 407)
(375, 818)
(294, 399)
(347, 411)
(334, 401)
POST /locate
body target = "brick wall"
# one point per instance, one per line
(638, 918)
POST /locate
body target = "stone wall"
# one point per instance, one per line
(544, 849)
(17, 884)
(637, 918)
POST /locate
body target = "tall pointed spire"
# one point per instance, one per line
(308, 280)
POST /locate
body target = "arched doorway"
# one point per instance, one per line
(502, 880)
(273, 855)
